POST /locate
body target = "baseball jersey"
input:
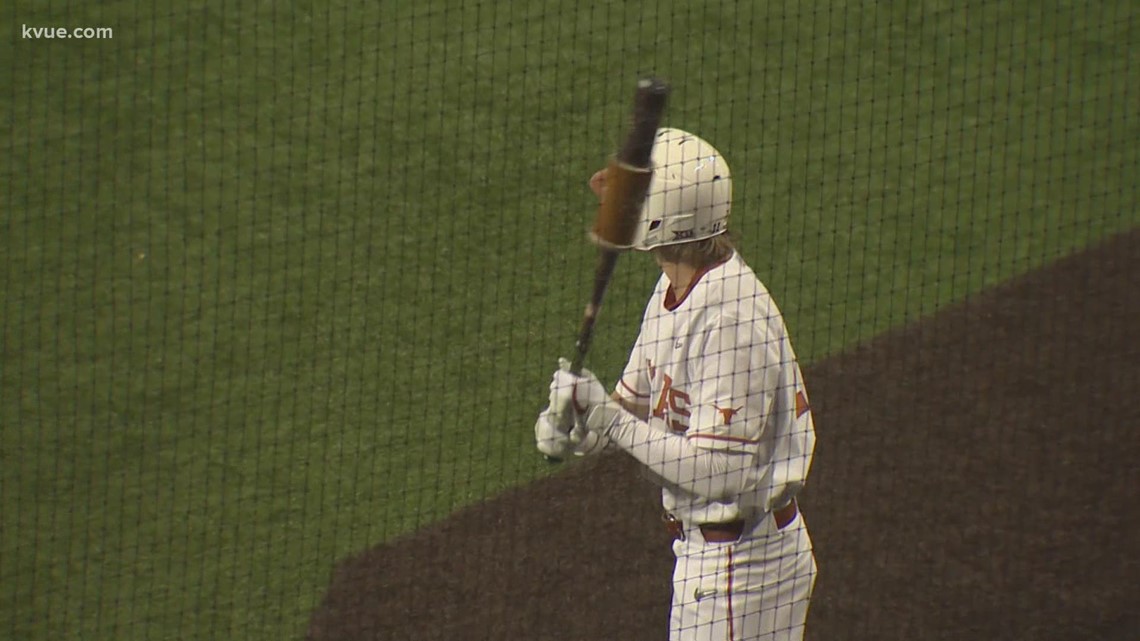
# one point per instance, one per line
(716, 366)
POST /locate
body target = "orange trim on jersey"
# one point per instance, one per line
(672, 302)
(802, 406)
(731, 439)
(731, 631)
(631, 390)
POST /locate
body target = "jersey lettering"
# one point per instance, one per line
(673, 402)
(659, 410)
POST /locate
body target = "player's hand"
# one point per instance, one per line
(554, 443)
(574, 394)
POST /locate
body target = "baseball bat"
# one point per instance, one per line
(615, 224)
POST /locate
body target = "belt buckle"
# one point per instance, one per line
(674, 526)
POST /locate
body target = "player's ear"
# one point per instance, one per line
(598, 182)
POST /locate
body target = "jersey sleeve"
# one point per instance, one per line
(735, 385)
(633, 386)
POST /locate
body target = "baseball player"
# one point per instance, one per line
(712, 402)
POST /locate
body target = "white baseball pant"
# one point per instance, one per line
(754, 589)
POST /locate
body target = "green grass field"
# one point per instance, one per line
(283, 281)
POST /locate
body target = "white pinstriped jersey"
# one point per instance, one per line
(717, 365)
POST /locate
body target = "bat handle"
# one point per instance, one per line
(607, 260)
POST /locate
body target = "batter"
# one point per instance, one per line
(712, 402)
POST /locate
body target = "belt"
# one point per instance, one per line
(732, 530)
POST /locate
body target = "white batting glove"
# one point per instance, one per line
(552, 441)
(574, 394)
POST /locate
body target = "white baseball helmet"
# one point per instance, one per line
(690, 195)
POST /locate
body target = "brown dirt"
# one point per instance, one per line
(977, 477)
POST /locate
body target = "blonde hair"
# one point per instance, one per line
(698, 253)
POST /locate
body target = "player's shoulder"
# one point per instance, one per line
(737, 293)
(744, 312)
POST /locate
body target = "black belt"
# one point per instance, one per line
(732, 530)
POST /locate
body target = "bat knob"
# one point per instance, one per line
(653, 85)
(552, 460)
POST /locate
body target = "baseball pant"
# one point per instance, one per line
(754, 589)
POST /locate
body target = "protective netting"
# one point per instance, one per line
(282, 283)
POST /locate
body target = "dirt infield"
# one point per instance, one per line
(977, 477)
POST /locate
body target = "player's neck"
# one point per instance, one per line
(680, 276)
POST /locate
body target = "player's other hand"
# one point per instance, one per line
(552, 441)
(598, 183)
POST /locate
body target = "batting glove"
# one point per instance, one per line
(575, 394)
(552, 441)
(584, 397)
